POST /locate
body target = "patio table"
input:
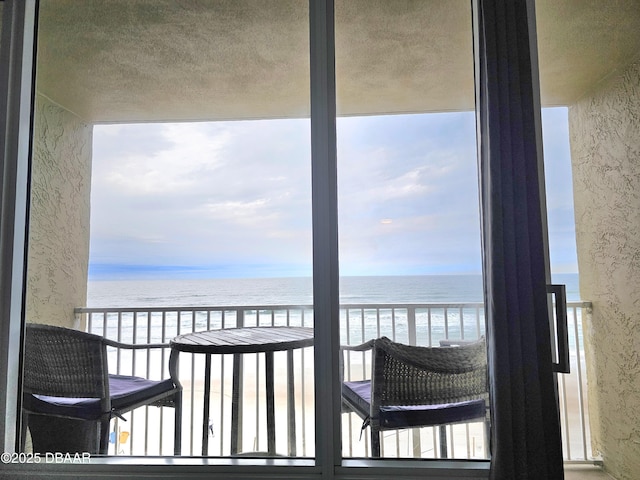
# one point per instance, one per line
(238, 341)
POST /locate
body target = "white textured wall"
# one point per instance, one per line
(605, 149)
(59, 221)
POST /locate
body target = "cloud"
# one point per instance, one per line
(236, 196)
(407, 173)
(202, 193)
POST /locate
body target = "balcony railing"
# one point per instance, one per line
(149, 430)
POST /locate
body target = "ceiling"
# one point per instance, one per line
(168, 60)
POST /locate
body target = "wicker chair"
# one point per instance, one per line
(419, 387)
(66, 376)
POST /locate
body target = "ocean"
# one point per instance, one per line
(294, 291)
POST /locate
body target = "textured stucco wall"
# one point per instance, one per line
(605, 149)
(59, 217)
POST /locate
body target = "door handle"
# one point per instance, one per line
(562, 331)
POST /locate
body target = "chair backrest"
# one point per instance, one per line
(410, 375)
(62, 362)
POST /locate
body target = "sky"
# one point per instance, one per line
(233, 199)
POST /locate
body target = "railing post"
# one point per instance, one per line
(413, 340)
(291, 404)
(80, 322)
(411, 325)
(580, 383)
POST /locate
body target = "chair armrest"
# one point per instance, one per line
(135, 346)
(352, 348)
(146, 346)
(456, 343)
(358, 348)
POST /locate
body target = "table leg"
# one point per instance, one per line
(291, 404)
(236, 404)
(271, 414)
(173, 372)
(205, 414)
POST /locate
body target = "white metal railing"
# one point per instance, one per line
(149, 431)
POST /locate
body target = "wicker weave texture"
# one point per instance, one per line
(63, 362)
(409, 375)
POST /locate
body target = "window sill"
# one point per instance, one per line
(398, 468)
(249, 468)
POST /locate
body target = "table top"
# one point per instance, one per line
(244, 340)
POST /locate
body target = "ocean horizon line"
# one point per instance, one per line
(124, 272)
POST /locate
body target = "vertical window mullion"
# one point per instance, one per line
(16, 121)
(325, 232)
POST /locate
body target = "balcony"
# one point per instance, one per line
(149, 431)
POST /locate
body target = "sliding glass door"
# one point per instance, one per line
(391, 195)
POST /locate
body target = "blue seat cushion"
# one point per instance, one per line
(125, 391)
(358, 396)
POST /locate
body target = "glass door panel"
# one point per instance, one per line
(410, 253)
(171, 195)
